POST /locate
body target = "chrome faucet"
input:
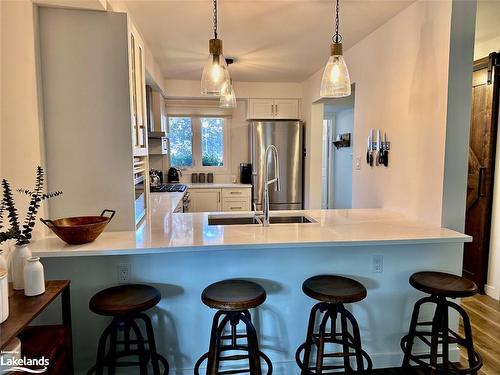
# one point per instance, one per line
(265, 199)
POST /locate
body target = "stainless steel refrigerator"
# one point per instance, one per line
(288, 138)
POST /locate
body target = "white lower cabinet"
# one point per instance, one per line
(205, 200)
(224, 199)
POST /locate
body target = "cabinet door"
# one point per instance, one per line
(133, 88)
(138, 93)
(205, 200)
(260, 109)
(286, 109)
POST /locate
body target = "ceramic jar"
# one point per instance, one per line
(19, 256)
(34, 280)
(4, 295)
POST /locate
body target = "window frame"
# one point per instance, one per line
(197, 147)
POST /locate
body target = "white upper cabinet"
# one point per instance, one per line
(137, 92)
(273, 109)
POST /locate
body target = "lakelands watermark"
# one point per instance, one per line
(10, 361)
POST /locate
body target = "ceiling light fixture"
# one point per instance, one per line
(215, 73)
(336, 82)
(228, 97)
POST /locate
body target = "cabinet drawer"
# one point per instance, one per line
(236, 193)
(229, 204)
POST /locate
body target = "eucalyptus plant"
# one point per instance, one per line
(22, 233)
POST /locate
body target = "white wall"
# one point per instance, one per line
(191, 89)
(342, 178)
(401, 89)
(483, 49)
(21, 149)
(492, 287)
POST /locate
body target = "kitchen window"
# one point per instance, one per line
(198, 142)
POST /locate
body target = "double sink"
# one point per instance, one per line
(227, 219)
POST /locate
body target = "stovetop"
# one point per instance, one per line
(168, 188)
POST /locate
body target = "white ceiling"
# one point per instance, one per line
(487, 20)
(272, 40)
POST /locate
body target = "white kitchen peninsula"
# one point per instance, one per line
(180, 254)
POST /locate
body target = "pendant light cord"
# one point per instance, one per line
(215, 20)
(337, 38)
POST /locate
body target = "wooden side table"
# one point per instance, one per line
(52, 341)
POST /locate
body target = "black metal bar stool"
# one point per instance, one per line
(333, 291)
(440, 286)
(126, 304)
(232, 298)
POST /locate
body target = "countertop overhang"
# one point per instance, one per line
(163, 231)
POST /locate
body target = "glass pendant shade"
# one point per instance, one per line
(215, 73)
(335, 82)
(227, 98)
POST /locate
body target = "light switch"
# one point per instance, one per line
(358, 162)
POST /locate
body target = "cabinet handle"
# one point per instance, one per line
(218, 194)
(276, 110)
(236, 208)
(235, 192)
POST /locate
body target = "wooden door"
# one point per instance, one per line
(482, 144)
(205, 200)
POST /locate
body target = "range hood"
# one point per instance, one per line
(157, 134)
(156, 116)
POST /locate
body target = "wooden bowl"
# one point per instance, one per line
(81, 229)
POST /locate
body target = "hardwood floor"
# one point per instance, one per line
(484, 313)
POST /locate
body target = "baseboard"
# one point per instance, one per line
(380, 361)
(492, 292)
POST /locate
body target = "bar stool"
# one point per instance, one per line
(126, 304)
(440, 286)
(232, 298)
(332, 291)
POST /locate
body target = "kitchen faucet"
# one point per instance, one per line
(274, 151)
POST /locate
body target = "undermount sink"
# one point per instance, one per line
(252, 220)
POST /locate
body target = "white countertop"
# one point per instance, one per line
(217, 186)
(164, 231)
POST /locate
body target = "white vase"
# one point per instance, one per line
(34, 280)
(19, 256)
(4, 296)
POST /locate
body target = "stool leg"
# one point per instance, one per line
(309, 339)
(469, 342)
(101, 349)
(215, 342)
(436, 325)
(321, 339)
(151, 343)
(345, 343)
(446, 344)
(143, 364)
(413, 328)
(253, 346)
(360, 365)
(112, 351)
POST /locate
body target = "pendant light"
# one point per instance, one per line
(215, 73)
(228, 97)
(336, 82)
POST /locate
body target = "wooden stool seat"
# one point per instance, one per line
(443, 284)
(124, 300)
(233, 295)
(334, 289)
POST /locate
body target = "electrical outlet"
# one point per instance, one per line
(378, 263)
(358, 162)
(123, 272)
